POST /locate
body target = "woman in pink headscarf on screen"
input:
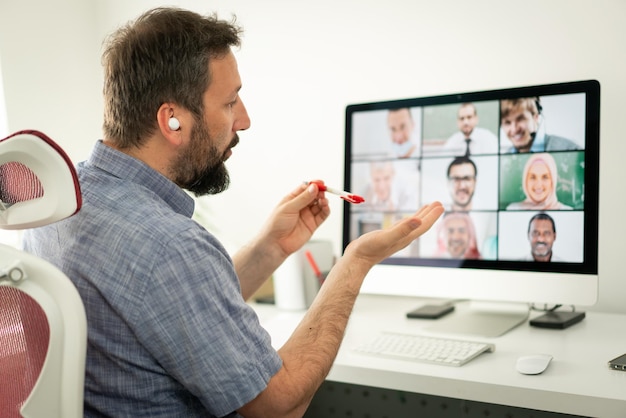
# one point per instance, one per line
(456, 237)
(539, 183)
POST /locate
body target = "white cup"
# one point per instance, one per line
(295, 282)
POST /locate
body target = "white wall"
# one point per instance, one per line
(51, 70)
(303, 62)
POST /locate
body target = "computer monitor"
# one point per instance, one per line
(517, 170)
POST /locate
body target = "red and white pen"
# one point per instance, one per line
(314, 267)
(348, 197)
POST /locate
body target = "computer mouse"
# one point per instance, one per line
(533, 364)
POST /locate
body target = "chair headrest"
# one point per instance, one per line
(38, 182)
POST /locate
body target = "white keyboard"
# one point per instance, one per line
(445, 351)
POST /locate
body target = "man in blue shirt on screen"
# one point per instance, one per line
(169, 331)
(520, 122)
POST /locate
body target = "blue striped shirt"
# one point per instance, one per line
(169, 334)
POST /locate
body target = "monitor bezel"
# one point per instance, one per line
(488, 268)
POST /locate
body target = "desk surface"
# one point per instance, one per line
(578, 381)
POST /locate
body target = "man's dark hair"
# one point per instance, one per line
(400, 109)
(462, 160)
(542, 217)
(161, 57)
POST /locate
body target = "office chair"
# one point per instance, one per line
(43, 335)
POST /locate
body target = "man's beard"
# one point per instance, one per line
(457, 248)
(464, 203)
(200, 166)
(546, 251)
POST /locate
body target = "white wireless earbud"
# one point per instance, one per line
(173, 124)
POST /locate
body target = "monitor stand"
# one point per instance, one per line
(484, 319)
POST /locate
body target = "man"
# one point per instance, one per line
(457, 237)
(385, 194)
(541, 234)
(520, 120)
(170, 334)
(461, 183)
(401, 126)
(471, 139)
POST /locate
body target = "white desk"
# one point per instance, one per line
(578, 381)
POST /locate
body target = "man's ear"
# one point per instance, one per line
(169, 118)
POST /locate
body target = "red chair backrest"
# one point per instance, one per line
(24, 336)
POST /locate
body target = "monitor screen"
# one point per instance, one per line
(517, 171)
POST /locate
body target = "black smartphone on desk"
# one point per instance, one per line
(618, 363)
(430, 311)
